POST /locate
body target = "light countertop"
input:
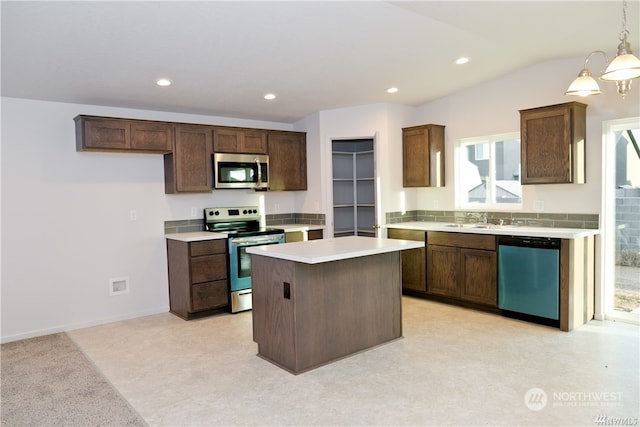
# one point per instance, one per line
(325, 250)
(195, 236)
(298, 227)
(503, 230)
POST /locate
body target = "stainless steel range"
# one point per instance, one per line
(242, 225)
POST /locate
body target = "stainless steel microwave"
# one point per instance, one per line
(241, 171)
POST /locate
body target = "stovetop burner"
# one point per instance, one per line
(236, 222)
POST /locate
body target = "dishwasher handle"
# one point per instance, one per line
(529, 242)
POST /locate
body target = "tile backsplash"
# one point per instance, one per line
(534, 219)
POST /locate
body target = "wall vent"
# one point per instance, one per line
(118, 285)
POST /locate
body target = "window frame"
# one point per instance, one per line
(460, 151)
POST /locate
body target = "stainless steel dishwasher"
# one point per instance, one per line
(529, 278)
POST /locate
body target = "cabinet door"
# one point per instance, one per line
(150, 136)
(236, 140)
(190, 163)
(413, 260)
(226, 140)
(208, 268)
(110, 134)
(287, 161)
(423, 156)
(552, 144)
(208, 295)
(479, 276)
(415, 158)
(254, 141)
(443, 267)
(413, 269)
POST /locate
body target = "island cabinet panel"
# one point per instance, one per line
(197, 277)
(189, 167)
(462, 266)
(287, 161)
(553, 144)
(307, 315)
(413, 260)
(239, 140)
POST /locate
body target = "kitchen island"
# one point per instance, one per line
(318, 301)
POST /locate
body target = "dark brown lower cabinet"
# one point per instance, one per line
(197, 276)
(413, 260)
(462, 266)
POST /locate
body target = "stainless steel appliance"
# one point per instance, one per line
(242, 226)
(529, 278)
(241, 171)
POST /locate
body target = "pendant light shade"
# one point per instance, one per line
(624, 67)
(585, 84)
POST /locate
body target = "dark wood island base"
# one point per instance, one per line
(308, 315)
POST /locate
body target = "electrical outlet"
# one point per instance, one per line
(276, 207)
(133, 215)
(194, 212)
(538, 205)
(436, 204)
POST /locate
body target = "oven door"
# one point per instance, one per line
(240, 267)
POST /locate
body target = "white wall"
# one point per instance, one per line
(492, 108)
(384, 123)
(65, 215)
(65, 220)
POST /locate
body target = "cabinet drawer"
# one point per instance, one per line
(208, 268)
(209, 295)
(208, 247)
(397, 233)
(462, 240)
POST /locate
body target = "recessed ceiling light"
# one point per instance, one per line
(462, 60)
(269, 96)
(163, 82)
(392, 90)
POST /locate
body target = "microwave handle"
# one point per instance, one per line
(259, 172)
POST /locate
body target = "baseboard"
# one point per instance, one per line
(81, 325)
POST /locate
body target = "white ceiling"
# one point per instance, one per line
(223, 56)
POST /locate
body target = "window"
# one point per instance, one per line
(488, 172)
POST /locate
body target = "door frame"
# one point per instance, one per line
(605, 289)
(376, 173)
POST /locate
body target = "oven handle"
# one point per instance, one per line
(253, 241)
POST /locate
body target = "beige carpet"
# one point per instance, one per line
(48, 381)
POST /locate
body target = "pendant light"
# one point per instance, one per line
(624, 67)
(584, 84)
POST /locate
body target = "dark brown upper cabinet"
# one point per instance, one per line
(423, 156)
(188, 168)
(238, 140)
(553, 144)
(110, 134)
(287, 161)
